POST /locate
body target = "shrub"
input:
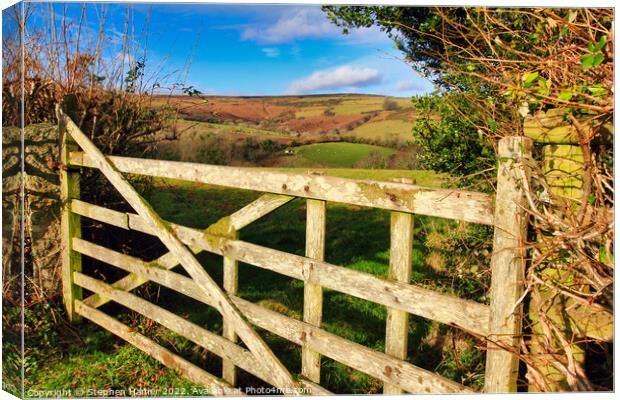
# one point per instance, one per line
(390, 105)
(374, 160)
(450, 144)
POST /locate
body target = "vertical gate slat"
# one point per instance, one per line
(70, 223)
(231, 286)
(401, 248)
(313, 293)
(507, 269)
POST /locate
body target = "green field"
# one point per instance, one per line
(340, 154)
(197, 129)
(388, 129)
(357, 238)
(365, 118)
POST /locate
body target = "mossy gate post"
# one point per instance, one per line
(497, 323)
(563, 167)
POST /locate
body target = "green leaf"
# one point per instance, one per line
(545, 84)
(565, 95)
(597, 91)
(530, 78)
(599, 46)
(492, 124)
(605, 257)
(544, 87)
(587, 61)
(598, 59)
(591, 199)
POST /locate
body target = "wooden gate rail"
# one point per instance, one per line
(212, 383)
(249, 336)
(446, 203)
(371, 362)
(466, 314)
(253, 211)
(499, 321)
(214, 343)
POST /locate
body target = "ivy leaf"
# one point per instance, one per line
(565, 95)
(598, 59)
(597, 91)
(530, 78)
(599, 46)
(587, 61)
(544, 87)
(492, 124)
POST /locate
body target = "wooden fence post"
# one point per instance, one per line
(397, 325)
(313, 293)
(507, 265)
(231, 286)
(69, 222)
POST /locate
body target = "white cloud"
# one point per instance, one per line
(298, 23)
(271, 51)
(341, 77)
(408, 84)
(303, 23)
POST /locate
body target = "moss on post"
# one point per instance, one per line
(69, 222)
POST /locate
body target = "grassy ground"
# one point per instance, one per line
(312, 111)
(340, 155)
(357, 238)
(389, 129)
(199, 130)
(279, 115)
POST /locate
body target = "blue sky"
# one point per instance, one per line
(259, 49)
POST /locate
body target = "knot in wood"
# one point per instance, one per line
(306, 270)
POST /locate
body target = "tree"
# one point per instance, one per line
(492, 67)
(505, 62)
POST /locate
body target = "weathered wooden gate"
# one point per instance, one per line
(498, 323)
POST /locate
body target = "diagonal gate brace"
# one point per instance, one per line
(238, 220)
(239, 323)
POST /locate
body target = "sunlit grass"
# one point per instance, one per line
(340, 154)
(356, 238)
(388, 129)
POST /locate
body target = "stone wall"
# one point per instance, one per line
(41, 204)
(562, 163)
(561, 156)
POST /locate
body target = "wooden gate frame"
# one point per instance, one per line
(498, 323)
